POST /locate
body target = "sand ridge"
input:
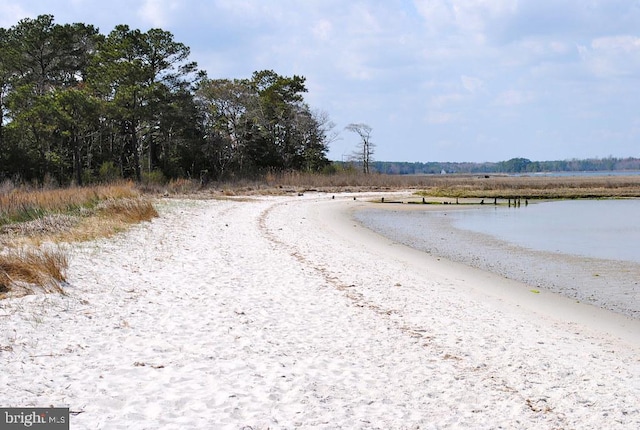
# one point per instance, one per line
(280, 312)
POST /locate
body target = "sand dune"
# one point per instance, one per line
(281, 313)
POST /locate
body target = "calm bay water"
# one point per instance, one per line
(584, 249)
(606, 229)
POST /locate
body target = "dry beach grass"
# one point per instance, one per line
(23, 270)
(32, 220)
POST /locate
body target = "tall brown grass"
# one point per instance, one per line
(23, 269)
(29, 218)
(111, 217)
(23, 204)
(127, 210)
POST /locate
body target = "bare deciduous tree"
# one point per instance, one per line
(364, 153)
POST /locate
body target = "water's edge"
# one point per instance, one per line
(609, 284)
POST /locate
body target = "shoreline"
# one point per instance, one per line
(606, 283)
(511, 291)
(283, 312)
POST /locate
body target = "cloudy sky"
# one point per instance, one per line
(437, 80)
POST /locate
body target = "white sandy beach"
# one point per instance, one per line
(281, 313)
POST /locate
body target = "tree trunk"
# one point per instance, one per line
(77, 163)
(135, 146)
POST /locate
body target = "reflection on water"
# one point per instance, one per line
(608, 229)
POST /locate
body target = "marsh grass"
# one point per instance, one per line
(23, 204)
(25, 270)
(58, 214)
(32, 219)
(536, 187)
(477, 186)
(112, 216)
(451, 185)
(127, 210)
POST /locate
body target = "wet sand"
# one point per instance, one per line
(609, 284)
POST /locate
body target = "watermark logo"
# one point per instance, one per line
(34, 418)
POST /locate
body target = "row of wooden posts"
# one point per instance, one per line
(517, 201)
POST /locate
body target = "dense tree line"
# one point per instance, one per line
(514, 165)
(79, 106)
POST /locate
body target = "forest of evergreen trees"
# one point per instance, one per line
(77, 106)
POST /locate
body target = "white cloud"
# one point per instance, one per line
(10, 14)
(477, 15)
(246, 8)
(440, 117)
(354, 65)
(322, 30)
(514, 98)
(472, 84)
(472, 18)
(364, 20)
(559, 47)
(540, 47)
(437, 14)
(157, 13)
(443, 100)
(614, 56)
(619, 44)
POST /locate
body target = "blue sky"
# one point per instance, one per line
(437, 80)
